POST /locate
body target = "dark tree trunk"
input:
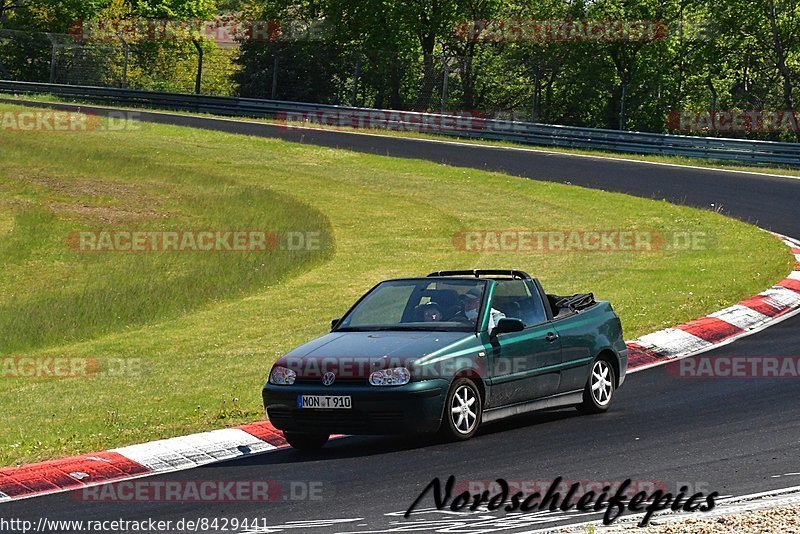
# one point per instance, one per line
(429, 72)
(780, 62)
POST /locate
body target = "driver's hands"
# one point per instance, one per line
(433, 315)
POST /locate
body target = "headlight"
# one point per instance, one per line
(396, 376)
(282, 376)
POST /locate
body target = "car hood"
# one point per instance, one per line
(356, 354)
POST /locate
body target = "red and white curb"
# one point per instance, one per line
(135, 461)
(186, 452)
(749, 316)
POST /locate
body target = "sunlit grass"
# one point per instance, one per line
(787, 170)
(206, 329)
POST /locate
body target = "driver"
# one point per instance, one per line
(472, 303)
(431, 313)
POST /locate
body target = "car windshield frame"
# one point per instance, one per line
(418, 326)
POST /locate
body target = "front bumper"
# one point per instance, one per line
(412, 408)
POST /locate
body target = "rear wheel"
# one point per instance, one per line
(306, 442)
(462, 411)
(599, 388)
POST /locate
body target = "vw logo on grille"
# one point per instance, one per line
(328, 378)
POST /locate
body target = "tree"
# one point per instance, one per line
(9, 6)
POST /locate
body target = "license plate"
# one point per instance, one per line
(326, 402)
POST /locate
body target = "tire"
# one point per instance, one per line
(462, 424)
(600, 387)
(306, 442)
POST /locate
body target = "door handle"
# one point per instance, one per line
(550, 337)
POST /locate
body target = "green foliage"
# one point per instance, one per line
(734, 55)
(100, 59)
(175, 9)
(743, 54)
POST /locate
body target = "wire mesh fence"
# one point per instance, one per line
(185, 67)
(583, 83)
(303, 71)
(300, 70)
(331, 73)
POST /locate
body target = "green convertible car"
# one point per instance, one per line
(445, 353)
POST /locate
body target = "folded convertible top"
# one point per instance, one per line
(562, 305)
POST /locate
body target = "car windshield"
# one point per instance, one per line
(418, 304)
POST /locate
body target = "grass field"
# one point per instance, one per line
(654, 158)
(203, 328)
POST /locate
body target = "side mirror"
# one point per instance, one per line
(507, 325)
(334, 322)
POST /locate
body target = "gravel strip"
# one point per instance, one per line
(783, 519)
(776, 511)
(778, 519)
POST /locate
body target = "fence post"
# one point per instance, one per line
(125, 54)
(356, 76)
(199, 79)
(535, 98)
(3, 70)
(53, 58)
(275, 64)
(445, 80)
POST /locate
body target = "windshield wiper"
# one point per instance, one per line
(424, 328)
(401, 328)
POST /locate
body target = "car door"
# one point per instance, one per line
(522, 365)
(578, 337)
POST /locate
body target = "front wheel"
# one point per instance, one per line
(306, 442)
(462, 411)
(599, 388)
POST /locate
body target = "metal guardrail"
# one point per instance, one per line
(739, 150)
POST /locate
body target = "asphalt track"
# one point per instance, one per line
(734, 436)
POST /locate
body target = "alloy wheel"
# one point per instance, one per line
(463, 409)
